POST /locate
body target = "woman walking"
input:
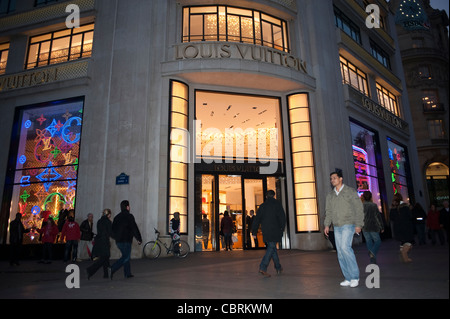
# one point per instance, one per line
(373, 225)
(226, 226)
(401, 216)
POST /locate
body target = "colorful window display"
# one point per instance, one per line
(365, 155)
(398, 162)
(45, 174)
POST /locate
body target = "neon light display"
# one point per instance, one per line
(367, 171)
(45, 177)
(361, 170)
(397, 164)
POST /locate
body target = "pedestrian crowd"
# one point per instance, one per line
(80, 241)
(347, 216)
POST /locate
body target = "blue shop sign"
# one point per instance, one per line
(122, 179)
(411, 16)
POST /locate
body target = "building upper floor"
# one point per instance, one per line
(34, 35)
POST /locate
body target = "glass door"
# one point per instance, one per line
(230, 202)
(253, 198)
(206, 217)
(238, 196)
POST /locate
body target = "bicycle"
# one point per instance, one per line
(152, 249)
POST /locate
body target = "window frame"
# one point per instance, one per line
(392, 103)
(38, 3)
(8, 5)
(51, 38)
(4, 52)
(360, 76)
(342, 21)
(303, 216)
(380, 55)
(231, 11)
(15, 176)
(172, 176)
(436, 129)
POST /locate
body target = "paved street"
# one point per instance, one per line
(233, 276)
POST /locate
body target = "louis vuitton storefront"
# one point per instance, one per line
(198, 107)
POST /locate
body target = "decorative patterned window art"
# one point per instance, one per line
(46, 169)
(398, 162)
(368, 171)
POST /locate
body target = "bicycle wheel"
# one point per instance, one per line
(152, 250)
(183, 249)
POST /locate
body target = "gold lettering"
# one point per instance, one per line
(46, 143)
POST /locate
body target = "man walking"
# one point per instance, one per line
(124, 228)
(345, 211)
(87, 235)
(272, 219)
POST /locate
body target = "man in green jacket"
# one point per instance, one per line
(345, 211)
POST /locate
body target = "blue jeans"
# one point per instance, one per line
(71, 246)
(373, 241)
(124, 260)
(346, 257)
(271, 253)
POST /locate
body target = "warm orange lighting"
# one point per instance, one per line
(179, 146)
(303, 164)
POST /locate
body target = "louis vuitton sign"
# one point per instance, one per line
(28, 79)
(230, 50)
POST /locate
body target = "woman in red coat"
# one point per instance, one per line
(434, 227)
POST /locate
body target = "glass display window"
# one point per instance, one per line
(46, 146)
(367, 164)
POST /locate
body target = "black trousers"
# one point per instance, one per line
(101, 261)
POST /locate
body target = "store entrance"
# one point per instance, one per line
(240, 196)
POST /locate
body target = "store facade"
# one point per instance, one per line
(200, 108)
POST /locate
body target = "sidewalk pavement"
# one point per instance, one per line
(234, 276)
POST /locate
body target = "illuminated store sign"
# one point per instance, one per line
(229, 50)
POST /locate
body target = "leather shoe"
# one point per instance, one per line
(265, 274)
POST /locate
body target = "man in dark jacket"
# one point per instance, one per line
(101, 249)
(16, 231)
(272, 219)
(87, 234)
(124, 228)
